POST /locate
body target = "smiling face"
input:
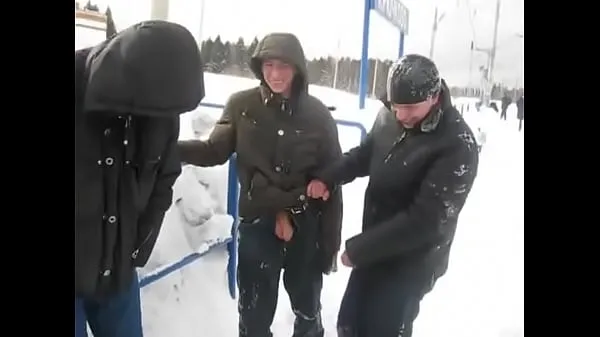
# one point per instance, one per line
(278, 75)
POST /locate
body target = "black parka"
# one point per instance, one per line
(129, 92)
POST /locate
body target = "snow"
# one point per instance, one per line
(482, 294)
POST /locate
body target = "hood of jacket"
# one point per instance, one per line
(285, 47)
(151, 69)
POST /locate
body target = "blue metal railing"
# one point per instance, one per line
(232, 209)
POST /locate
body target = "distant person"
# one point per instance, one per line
(478, 105)
(481, 138)
(521, 110)
(421, 158)
(282, 136)
(506, 101)
(494, 106)
(129, 92)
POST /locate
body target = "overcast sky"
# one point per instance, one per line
(321, 34)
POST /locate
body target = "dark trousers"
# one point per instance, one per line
(262, 256)
(380, 303)
(116, 316)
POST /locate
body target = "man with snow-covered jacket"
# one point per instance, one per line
(421, 159)
(129, 92)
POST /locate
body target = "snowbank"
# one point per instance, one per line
(178, 303)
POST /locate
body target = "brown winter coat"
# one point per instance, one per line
(279, 145)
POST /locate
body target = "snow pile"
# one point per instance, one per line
(195, 221)
(202, 123)
(175, 305)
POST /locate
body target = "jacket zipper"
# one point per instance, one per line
(137, 251)
(396, 143)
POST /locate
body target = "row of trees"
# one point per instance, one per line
(233, 58)
(498, 90)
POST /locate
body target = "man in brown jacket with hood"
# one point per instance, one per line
(281, 136)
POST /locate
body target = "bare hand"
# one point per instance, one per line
(346, 260)
(317, 189)
(283, 226)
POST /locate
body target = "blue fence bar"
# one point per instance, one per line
(233, 192)
(232, 209)
(162, 272)
(363, 131)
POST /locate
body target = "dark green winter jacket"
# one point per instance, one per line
(279, 144)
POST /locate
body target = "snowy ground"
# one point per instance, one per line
(480, 296)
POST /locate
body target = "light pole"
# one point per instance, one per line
(200, 31)
(521, 64)
(337, 62)
(486, 77)
(491, 57)
(436, 21)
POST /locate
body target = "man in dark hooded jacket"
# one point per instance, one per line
(282, 136)
(421, 159)
(506, 101)
(129, 92)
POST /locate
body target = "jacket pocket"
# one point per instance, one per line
(250, 134)
(141, 244)
(141, 253)
(304, 148)
(247, 120)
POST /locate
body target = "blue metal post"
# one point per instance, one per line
(364, 60)
(232, 209)
(401, 48)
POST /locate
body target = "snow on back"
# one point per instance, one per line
(482, 294)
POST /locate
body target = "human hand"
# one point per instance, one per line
(346, 260)
(317, 189)
(283, 226)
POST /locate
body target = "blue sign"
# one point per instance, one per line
(394, 12)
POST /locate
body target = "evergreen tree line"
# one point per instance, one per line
(233, 59)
